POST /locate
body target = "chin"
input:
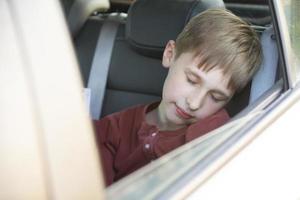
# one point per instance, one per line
(180, 122)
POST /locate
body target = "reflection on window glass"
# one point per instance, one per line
(292, 14)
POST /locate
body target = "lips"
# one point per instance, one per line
(181, 113)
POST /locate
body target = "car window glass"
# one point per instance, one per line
(292, 16)
(253, 15)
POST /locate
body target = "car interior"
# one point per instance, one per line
(129, 39)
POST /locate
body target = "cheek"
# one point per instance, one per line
(174, 87)
(171, 92)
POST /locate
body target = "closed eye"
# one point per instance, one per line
(190, 80)
(218, 99)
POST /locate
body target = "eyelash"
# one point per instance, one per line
(190, 81)
(215, 99)
(212, 97)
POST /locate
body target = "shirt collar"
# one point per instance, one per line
(192, 131)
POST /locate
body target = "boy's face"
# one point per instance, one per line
(189, 93)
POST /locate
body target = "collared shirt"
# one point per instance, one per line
(126, 142)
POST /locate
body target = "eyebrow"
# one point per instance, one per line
(189, 71)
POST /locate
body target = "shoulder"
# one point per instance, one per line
(118, 118)
(220, 117)
(216, 120)
(127, 114)
(206, 125)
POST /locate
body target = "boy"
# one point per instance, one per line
(213, 57)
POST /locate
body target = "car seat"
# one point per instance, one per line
(265, 82)
(135, 73)
(266, 75)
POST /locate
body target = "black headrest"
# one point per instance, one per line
(152, 23)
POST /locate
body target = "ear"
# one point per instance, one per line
(169, 54)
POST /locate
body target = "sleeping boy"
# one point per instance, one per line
(214, 56)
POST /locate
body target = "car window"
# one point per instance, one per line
(290, 22)
(257, 14)
(53, 144)
(47, 139)
(170, 172)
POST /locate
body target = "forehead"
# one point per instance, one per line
(201, 60)
(214, 77)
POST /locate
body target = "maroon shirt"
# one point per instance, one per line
(127, 142)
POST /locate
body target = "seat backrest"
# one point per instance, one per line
(263, 80)
(136, 75)
(266, 75)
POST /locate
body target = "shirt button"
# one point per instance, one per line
(153, 134)
(147, 146)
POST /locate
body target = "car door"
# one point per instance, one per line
(47, 148)
(253, 157)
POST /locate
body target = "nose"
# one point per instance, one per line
(195, 100)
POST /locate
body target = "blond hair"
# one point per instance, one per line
(223, 40)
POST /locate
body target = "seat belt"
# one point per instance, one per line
(100, 67)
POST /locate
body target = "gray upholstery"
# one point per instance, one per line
(265, 77)
(151, 24)
(136, 75)
(100, 67)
